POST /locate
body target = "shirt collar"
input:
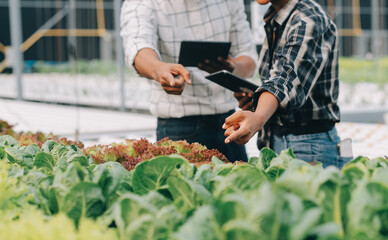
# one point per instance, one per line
(282, 15)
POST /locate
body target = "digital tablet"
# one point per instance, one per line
(232, 82)
(194, 52)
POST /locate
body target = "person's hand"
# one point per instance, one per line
(172, 77)
(215, 66)
(242, 126)
(244, 100)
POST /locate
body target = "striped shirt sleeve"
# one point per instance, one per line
(138, 29)
(298, 63)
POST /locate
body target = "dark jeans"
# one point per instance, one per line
(206, 130)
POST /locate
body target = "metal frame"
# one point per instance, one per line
(46, 31)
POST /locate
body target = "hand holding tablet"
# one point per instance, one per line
(193, 53)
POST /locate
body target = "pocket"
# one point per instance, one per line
(317, 147)
(303, 150)
(341, 161)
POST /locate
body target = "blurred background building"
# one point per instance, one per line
(67, 37)
(46, 27)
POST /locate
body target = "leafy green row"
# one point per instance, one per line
(133, 151)
(37, 138)
(20, 220)
(129, 153)
(167, 197)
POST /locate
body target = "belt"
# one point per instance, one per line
(314, 126)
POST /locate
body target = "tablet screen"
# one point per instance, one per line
(194, 52)
(232, 82)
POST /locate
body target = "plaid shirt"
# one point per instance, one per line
(298, 64)
(162, 24)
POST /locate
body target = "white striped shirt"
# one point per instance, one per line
(162, 24)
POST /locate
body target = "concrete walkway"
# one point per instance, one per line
(67, 120)
(95, 126)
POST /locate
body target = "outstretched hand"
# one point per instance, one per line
(172, 77)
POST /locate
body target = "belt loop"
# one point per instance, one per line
(333, 134)
(284, 137)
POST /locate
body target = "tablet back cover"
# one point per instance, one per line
(232, 82)
(194, 52)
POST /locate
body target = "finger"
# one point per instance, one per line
(247, 106)
(181, 81)
(166, 83)
(231, 129)
(239, 95)
(244, 101)
(223, 61)
(184, 74)
(206, 68)
(186, 77)
(170, 79)
(234, 126)
(226, 63)
(228, 131)
(237, 136)
(173, 91)
(232, 119)
(232, 137)
(214, 65)
(176, 89)
(179, 85)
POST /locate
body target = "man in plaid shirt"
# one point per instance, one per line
(296, 105)
(188, 106)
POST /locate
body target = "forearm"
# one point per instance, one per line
(266, 107)
(147, 63)
(245, 67)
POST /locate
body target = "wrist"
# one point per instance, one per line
(267, 105)
(261, 119)
(147, 63)
(156, 66)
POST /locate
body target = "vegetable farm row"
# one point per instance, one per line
(52, 188)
